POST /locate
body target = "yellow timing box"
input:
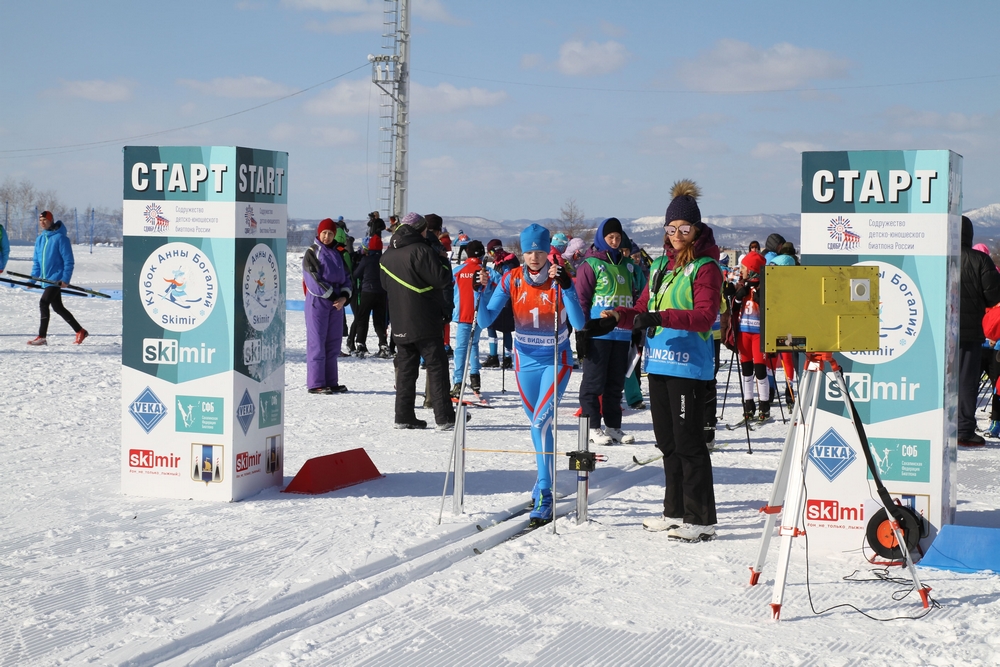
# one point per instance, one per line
(819, 308)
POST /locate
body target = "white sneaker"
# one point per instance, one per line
(655, 524)
(690, 532)
(597, 437)
(619, 437)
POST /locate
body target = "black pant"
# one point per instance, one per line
(370, 304)
(603, 381)
(407, 362)
(991, 366)
(678, 409)
(353, 331)
(52, 296)
(969, 373)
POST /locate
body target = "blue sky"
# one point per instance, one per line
(518, 106)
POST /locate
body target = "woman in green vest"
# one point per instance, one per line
(677, 309)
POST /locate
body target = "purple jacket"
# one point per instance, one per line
(324, 273)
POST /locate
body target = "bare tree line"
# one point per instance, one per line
(21, 202)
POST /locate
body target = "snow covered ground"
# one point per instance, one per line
(365, 576)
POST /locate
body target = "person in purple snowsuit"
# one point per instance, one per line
(328, 288)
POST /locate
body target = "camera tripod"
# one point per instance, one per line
(789, 484)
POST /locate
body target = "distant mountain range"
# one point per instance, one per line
(731, 231)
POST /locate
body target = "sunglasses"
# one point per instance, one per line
(683, 229)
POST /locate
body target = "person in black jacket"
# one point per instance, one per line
(371, 303)
(419, 290)
(980, 290)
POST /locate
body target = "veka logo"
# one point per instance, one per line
(863, 390)
(245, 411)
(831, 510)
(831, 454)
(246, 460)
(168, 351)
(147, 458)
(147, 410)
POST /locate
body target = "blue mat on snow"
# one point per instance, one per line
(964, 549)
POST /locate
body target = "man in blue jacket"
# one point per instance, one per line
(53, 260)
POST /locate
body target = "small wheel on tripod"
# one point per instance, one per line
(883, 541)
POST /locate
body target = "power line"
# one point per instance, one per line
(710, 92)
(72, 148)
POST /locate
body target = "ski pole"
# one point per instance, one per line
(67, 285)
(555, 404)
(34, 286)
(725, 395)
(743, 400)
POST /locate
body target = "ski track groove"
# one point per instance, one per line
(239, 636)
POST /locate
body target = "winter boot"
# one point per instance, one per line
(598, 437)
(383, 352)
(689, 532)
(619, 437)
(492, 361)
(710, 438)
(541, 513)
(361, 351)
(994, 430)
(765, 411)
(508, 363)
(474, 382)
(748, 409)
(655, 524)
(456, 389)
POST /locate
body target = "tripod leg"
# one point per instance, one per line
(778, 490)
(791, 518)
(725, 395)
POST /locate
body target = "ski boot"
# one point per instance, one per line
(475, 382)
(789, 398)
(508, 362)
(361, 351)
(748, 409)
(764, 412)
(383, 352)
(710, 438)
(492, 361)
(994, 430)
(541, 512)
(456, 389)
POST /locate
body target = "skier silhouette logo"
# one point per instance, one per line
(177, 290)
(261, 287)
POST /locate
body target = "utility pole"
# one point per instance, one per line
(391, 73)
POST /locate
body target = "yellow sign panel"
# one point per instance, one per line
(819, 308)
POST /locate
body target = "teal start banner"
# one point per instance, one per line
(899, 211)
(203, 341)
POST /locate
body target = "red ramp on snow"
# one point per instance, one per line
(333, 471)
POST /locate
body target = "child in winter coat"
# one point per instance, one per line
(328, 289)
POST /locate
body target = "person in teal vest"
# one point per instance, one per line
(677, 309)
(606, 279)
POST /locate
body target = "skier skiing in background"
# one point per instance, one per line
(4, 248)
(466, 299)
(746, 318)
(328, 289)
(537, 291)
(677, 309)
(53, 260)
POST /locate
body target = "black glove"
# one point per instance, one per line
(646, 320)
(582, 344)
(563, 278)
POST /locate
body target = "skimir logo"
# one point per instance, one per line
(178, 286)
(168, 351)
(147, 410)
(863, 390)
(261, 287)
(249, 223)
(843, 236)
(245, 411)
(155, 222)
(831, 454)
(900, 315)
